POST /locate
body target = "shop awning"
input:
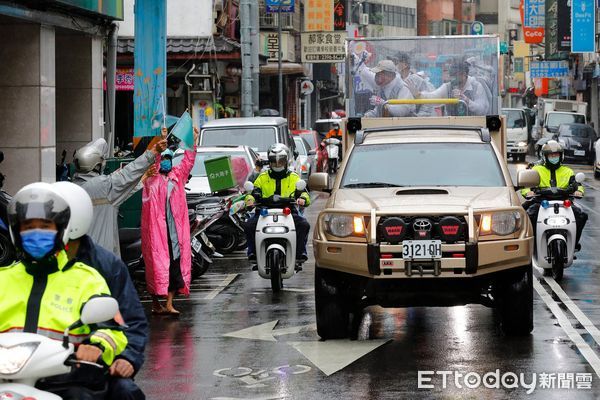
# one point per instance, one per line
(216, 44)
(286, 69)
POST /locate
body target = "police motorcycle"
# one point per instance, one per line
(276, 237)
(556, 228)
(7, 250)
(26, 358)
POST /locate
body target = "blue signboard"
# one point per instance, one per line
(535, 14)
(548, 69)
(287, 6)
(583, 26)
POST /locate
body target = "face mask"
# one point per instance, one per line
(554, 160)
(38, 242)
(166, 165)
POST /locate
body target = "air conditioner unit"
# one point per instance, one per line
(364, 19)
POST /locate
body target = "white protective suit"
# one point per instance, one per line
(108, 192)
(478, 104)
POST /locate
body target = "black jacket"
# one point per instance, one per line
(114, 271)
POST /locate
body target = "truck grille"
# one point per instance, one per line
(395, 229)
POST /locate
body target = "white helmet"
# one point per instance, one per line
(91, 156)
(82, 209)
(278, 157)
(39, 200)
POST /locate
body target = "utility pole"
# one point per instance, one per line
(279, 55)
(255, 33)
(246, 48)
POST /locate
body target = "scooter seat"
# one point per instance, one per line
(129, 235)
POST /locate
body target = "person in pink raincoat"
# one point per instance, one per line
(166, 243)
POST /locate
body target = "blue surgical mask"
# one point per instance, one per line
(166, 165)
(554, 160)
(38, 242)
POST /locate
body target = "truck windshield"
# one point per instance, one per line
(514, 118)
(555, 119)
(259, 138)
(423, 164)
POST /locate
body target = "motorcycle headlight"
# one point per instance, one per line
(500, 223)
(275, 230)
(343, 225)
(557, 221)
(13, 359)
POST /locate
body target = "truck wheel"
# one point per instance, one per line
(275, 260)
(516, 302)
(332, 308)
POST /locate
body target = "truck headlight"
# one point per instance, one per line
(500, 223)
(344, 225)
(13, 359)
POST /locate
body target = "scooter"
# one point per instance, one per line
(276, 237)
(130, 244)
(202, 249)
(27, 357)
(333, 151)
(556, 228)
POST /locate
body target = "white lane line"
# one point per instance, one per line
(585, 349)
(221, 286)
(581, 317)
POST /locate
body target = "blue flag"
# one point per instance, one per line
(184, 131)
(159, 118)
(150, 64)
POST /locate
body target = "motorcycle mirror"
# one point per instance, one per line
(99, 309)
(579, 177)
(300, 185)
(248, 186)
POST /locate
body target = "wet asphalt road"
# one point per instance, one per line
(238, 340)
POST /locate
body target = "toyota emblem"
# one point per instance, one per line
(422, 227)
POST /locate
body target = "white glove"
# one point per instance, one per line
(376, 101)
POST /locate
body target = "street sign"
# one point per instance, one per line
(533, 20)
(583, 26)
(287, 6)
(323, 47)
(477, 28)
(503, 47)
(548, 69)
(306, 87)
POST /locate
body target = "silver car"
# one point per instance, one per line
(306, 163)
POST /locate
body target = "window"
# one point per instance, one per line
(396, 163)
(257, 138)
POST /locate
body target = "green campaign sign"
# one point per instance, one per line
(110, 8)
(219, 173)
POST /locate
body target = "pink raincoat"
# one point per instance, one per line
(155, 248)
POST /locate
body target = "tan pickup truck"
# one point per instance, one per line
(422, 212)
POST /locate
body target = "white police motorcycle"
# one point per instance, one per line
(276, 237)
(27, 357)
(556, 228)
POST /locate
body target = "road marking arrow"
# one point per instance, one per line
(265, 331)
(333, 355)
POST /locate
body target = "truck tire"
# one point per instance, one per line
(516, 302)
(332, 308)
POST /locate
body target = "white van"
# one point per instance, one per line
(516, 142)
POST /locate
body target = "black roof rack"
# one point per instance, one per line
(484, 133)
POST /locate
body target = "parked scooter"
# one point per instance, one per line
(130, 244)
(7, 250)
(28, 357)
(333, 152)
(202, 249)
(556, 228)
(276, 237)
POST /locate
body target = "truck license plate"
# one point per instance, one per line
(579, 152)
(421, 249)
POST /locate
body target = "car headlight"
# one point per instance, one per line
(343, 225)
(557, 221)
(13, 359)
(500, 223)
(275, 230)
(521, 144)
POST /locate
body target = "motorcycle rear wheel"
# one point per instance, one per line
(199, 265)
